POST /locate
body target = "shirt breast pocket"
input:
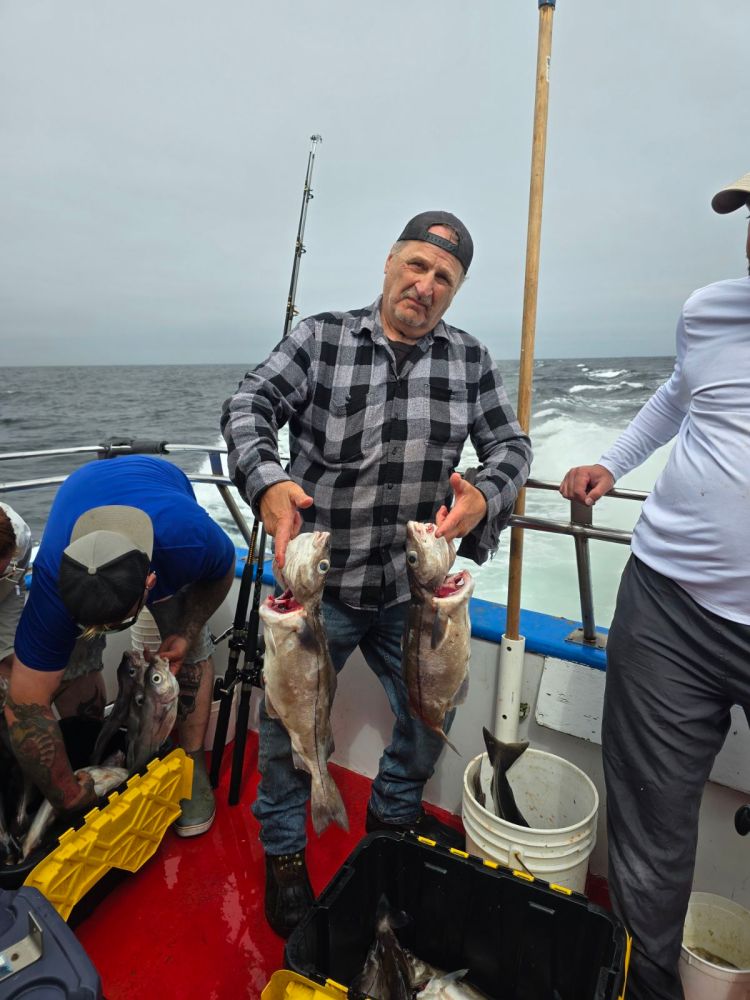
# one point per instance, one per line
(353, 424)
(447, 412)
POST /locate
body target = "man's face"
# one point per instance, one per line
(420, 282)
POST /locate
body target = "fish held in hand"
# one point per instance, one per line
(157, 714)
(437, 639)
(104, 778)
(129, 681)
(502, 757)
(300, 682)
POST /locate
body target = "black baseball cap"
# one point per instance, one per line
(104, 568)
(418, 228)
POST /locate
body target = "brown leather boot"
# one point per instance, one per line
(289, 894)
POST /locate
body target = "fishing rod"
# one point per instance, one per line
(299, 247)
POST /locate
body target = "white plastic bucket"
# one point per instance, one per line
(559, 802)
(145, 632)
(718, 928)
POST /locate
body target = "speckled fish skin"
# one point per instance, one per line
(129, 679)
(157, 713)
(437, 639)
(104, 778)
(300, 682)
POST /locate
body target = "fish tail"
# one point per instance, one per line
(326, 804)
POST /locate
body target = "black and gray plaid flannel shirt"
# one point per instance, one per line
(373, 447)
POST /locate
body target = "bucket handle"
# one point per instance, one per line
(515, 856)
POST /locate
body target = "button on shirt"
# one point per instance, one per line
(374, 443)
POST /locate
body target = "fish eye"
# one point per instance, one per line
(323, 566)
(156, 678)
(131, 671)
(412, 558)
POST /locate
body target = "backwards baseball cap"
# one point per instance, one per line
(103, 571)
(418, 228)
(729, 199)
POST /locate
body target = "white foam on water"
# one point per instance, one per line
(608, 373)
(591, 388)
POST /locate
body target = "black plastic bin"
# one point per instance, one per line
(519, 939)
(60, 969)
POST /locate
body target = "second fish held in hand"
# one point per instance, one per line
(437, 641)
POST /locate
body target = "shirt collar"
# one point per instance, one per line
(369, 322)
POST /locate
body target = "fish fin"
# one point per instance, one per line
(306, 637)
(326, 804)
(460, 696)
(506, 754)
(270, 641)
(440, 629)
(299, 762)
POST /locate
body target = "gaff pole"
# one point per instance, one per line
(299, 247)
(513, 644)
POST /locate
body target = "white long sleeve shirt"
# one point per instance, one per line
(695, 526)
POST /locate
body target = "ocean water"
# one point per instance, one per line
(579, 408)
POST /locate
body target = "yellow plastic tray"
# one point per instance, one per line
(285, 985)
(123, 834)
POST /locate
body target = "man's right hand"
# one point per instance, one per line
(587, 483)
(86, 797)
(280, 508)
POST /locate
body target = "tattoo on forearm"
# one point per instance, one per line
(189, 679)
(38, 746)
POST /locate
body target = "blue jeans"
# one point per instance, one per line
(406, 764)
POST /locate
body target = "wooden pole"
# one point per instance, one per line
(531, 285)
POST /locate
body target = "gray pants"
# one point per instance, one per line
(674, 670)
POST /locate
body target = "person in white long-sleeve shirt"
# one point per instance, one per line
(678, 652)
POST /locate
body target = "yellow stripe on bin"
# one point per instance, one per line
(123, 834)
(524, 875)
(561, 888)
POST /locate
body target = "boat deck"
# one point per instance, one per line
(190, 923)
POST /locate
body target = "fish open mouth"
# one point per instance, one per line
(284, 603)
(451, 584)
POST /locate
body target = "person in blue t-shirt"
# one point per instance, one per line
(122, 534)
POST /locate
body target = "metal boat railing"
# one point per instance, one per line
(580, 527)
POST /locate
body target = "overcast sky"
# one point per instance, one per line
(153, 156)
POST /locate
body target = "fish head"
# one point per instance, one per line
(130, 670)
(159, 683)
(428, 558)
(307, 561)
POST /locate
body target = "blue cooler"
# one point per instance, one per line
(40, 957)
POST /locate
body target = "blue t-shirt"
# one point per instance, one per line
(188, 545)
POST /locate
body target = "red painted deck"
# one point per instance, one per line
(190, 926)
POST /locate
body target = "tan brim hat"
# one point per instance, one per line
(729, 199)
(131, 522)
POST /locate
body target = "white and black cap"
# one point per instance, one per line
(730, 198)
(104, 568)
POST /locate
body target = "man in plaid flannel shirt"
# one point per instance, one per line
(379, 402)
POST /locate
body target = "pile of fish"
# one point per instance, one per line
(391, 972)
(299, 679)
(145, 706)
(437, 639)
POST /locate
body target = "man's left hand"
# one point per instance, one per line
(469, 507)
(174, 648)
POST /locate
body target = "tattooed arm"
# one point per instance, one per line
(198, 602)
(36, 739)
